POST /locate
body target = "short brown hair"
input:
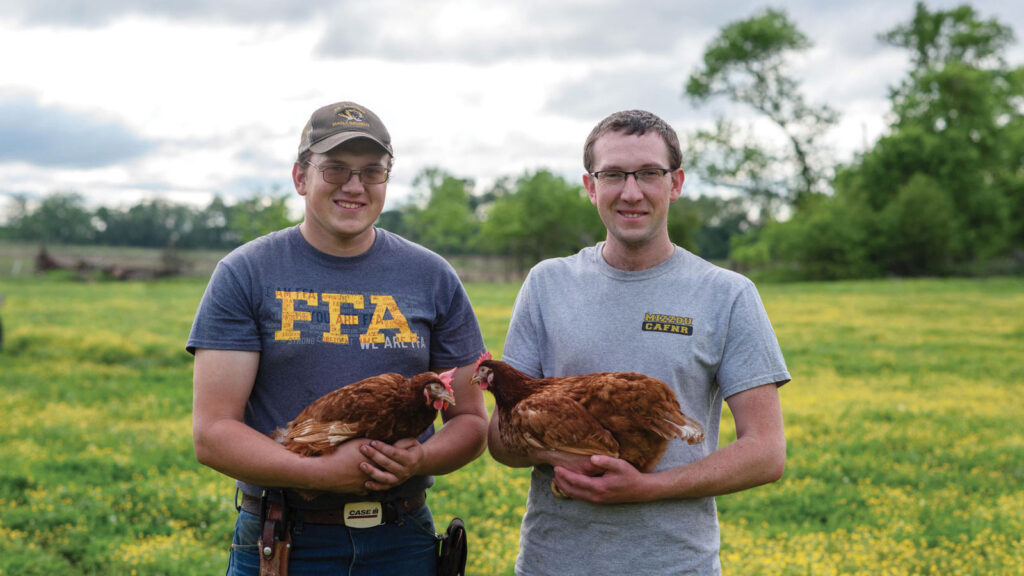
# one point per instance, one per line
(631, 122)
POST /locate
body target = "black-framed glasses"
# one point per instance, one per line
(644, 176)
(342, 174)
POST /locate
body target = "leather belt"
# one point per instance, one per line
(391, 509)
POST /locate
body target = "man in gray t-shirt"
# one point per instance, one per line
(636, 302)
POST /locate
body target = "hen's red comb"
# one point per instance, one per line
(485, 356)
(446, 378)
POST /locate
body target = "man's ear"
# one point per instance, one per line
(589, 183)
(299, 178)
(677, 184)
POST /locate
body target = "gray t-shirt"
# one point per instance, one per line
(700, 328)
(320, 322)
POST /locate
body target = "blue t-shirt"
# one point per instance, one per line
(320, 321)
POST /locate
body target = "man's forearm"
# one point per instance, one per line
(741, 465)
(239, 451)
(460, 441)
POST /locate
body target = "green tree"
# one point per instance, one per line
(957, 36)
(261, 214)
(747, 64)
(713, 221)
(210, 227)
(545, 216)
(919, 228)
(958, 117)
(941, 191)
(60, 218)
(730, 157)
(830, 239)
(683, 223)
(440, 214)
(151, 223)
(446, 224)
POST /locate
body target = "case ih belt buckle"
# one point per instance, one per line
(364, 514)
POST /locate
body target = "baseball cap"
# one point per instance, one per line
(335, 124)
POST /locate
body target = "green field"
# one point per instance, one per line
(906, 454)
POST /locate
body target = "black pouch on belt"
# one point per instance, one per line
(275, 541)
(451, 559)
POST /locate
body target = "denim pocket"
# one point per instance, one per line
(244, 559)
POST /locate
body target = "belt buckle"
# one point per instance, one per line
(364, 514)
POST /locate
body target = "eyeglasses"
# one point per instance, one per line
(342, 174)
(616, 178)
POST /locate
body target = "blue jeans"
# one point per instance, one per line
(406, 547)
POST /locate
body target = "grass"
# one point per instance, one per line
(905, 449)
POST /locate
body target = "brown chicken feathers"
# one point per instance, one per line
(625, 415)
(387, 407)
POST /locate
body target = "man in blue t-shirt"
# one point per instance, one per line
(295, 314)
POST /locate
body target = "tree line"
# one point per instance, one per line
(64, 218)
(941, 192)
(525, 219)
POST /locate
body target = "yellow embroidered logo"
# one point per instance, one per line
(668, 323)
(388, 326)
(351, 114)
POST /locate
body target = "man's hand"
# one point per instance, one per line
(578, 463)
(388, 465)
(344, 468)
(608, 480)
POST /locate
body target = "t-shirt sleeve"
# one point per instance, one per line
(524, 342)
(456, 339)
(225, 319)
(752, 356)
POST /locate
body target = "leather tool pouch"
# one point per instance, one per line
(275, 542)
(454, 549)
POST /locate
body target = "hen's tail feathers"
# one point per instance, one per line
(310, 436)
(679, 424)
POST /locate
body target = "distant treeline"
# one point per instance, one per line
(64, 218)
(535, 216)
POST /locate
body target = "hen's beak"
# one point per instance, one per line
(481, 378)
(448, 398)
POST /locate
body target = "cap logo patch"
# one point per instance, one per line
(351, 114)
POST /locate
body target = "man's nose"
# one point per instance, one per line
(631, 190)
(355, 182)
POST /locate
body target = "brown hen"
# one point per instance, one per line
(387, 407)
(625, 415)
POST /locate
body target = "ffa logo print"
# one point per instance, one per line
(666, 323)
(351, 114)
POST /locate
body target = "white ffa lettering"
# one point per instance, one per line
(297, 307)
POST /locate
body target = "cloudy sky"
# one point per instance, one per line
(124, 100)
